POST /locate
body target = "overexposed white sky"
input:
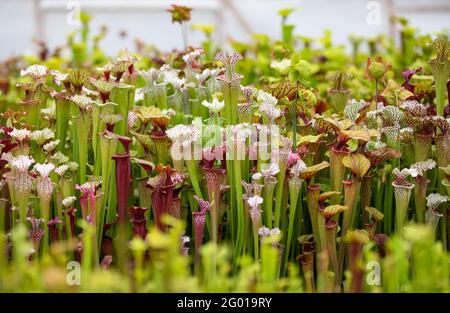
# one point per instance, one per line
(147, 19)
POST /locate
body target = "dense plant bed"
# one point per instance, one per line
(285, 165)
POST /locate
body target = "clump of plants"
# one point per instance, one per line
(279, 166)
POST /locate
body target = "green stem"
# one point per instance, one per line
(45, 214)
(162, 148)
(112, 197)
(322, 232)
(98, 126)
(422, 147)
(3, 222)
(330, 234)
(23, 205)
(376, 90)
(294, 121)
(440, 82)
(108, 149)
(82, 130)
(280, 189)
(192, 170)
(86, 264)
(294, 193)
(230, 97)
(308, 271)
(388, 195)
(420, 194)
(402, 195)
(269, 263)
(62, 120)
(443, 224)
(379, 195)
(240, 212)
(255, 226)
(3, 261)
(161, 95)
(337, 171)
(268, 202)
(351, 188)
(123, 95)
(39, 155)
(366, 196)
(312, 198)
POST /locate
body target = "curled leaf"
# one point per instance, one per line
(308, 139)
(357, 236)
(380, 155)
(310, 171)
(376, 215)
(332, 210)
(357, 134)
(357, 163)
(328, 194)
